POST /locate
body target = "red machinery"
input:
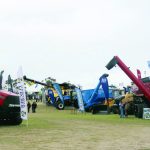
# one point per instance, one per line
(140, 101)
(9, 108)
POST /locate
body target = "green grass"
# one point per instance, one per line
(49, 128)
(49, 115)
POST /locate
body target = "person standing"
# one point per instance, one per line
(34, 106)
(29, 106)
(121, 108)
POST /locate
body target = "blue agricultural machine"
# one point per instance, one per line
(63, 99)
(98, 99)
(91, 100)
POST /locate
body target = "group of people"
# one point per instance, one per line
(33, 105)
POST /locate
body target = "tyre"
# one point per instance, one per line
(16, 121)
(75, 103)
(114, 109)
(139, 110)
(94, 111)
(59, 105)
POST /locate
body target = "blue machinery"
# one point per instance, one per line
(58, 102)
(93, 99)
(88, 100)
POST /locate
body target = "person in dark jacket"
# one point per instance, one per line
(34, 106)
(29, 106)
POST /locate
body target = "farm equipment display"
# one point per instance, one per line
(94, 100)
(63, 91)
(9, 108)
(10, 111)
(141, 94)
(98, 99)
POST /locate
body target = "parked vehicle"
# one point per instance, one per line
(141, 96)
(9, 108)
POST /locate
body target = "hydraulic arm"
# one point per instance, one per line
(139, 83)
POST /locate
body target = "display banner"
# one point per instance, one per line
(146, 113)
(51, 95)
(148, 62)
(22, 94)
(59, 91)
(80, 100)
(104, 83)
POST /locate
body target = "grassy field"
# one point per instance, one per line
(51, 129)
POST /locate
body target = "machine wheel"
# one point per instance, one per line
(76, 104)
(59, 105)
(115, 110)
(139, 110)
(16, 121)
(94, 111)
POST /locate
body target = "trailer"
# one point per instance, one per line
(138, 101)
(98, 99)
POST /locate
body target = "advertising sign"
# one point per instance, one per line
(22, 94)
(80, 100)
(146, 113)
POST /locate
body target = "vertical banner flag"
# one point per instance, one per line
(59, 91)
(80, 99)
(22, 94)
(51, 95)
(43, 96)
(105, 86)
(138, 74)
(148, 62)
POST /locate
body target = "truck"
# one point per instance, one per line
(137, 100)
(10, 112)
(63, 90)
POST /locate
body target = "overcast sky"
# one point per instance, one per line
(73, 40)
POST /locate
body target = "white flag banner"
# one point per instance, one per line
(22, 94)
(148, 62)
(80, 100)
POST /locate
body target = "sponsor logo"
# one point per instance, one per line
(23, 114)
(103, 80)
(14, 105)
